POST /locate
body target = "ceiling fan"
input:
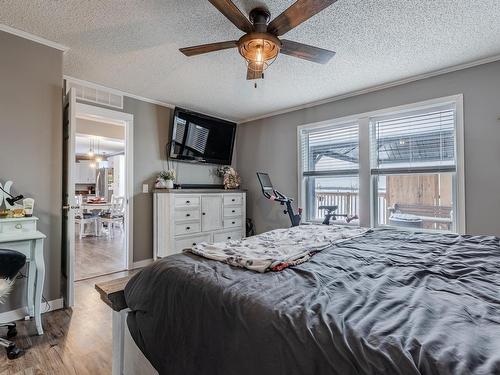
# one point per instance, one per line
(260, 45)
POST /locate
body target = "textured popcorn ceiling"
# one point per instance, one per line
(133, 46)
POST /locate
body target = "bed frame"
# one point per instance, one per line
(127, 357)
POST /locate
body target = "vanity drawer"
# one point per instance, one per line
(18, 226)
(187, 200)
(188, 242)
(187, 228)
(233, 199)
(232, 223)
(232, 211)
(227, 236)
(187, 214)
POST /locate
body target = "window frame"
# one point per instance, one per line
(367, 186)
(302, 189)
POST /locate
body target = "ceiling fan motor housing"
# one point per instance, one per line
(260, 18)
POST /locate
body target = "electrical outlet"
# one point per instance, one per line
(145, 188)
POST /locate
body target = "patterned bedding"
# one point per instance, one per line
(277, 249)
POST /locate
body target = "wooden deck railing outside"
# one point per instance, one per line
(348, 203)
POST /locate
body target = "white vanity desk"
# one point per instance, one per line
(20, 234)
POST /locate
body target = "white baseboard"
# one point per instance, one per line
(142, 263)
(21, 313)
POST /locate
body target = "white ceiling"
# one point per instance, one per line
(133, 46)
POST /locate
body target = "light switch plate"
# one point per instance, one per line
(145, 188)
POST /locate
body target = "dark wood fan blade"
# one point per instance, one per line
(306, 52)
(233, 14)
(206, 48)
(299, 12)
(254, 72)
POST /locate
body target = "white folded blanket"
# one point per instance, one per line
(277, 249)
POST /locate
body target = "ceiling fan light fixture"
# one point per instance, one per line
(259, 50)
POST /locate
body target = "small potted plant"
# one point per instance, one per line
(166, 179)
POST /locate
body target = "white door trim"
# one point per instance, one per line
(100, 113)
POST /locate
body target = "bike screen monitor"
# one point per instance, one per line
(266, 184)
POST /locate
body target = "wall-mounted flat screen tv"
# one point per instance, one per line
(201, 138)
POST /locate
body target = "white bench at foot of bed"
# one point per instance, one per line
(127, 357)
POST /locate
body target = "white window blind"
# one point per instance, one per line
(416, 142)
(197, 138)
(330, 150)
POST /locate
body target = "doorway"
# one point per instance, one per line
(98, 191)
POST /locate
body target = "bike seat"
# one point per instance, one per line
(328, 208)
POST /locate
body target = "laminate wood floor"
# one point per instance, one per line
(96, 256)
(76, 341)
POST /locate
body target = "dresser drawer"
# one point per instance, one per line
(232, 222)
(233, 199)
(227, 236)
(187, 214)
(187, 200)
(18, 226)
(188, 242)
(232, 211)
(187, 228)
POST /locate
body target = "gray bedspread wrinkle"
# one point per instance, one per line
(388, 302)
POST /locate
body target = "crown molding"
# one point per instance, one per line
(33, 38)
(138, 97)
(419, 77)
(116, 91)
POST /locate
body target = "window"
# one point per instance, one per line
(330, 169)
(414, 166)
(409, 174)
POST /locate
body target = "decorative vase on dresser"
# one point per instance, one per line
(183, 218)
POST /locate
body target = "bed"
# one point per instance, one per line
(389, 301)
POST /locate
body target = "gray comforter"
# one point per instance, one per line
(389, 302)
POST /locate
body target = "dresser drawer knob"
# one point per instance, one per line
(194, 243)
(233, 222)
(233, 200)
(203, 213)
(187, 202)
(187, 215)
(19, 226)
(229, 237)
(233, 211)
(188, 228)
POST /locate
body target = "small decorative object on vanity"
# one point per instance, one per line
(10, 200)
(231, 178)
(28, 205)
(165, 179)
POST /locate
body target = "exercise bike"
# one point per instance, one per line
(272, 194)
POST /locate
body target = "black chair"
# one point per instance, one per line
(11, 263)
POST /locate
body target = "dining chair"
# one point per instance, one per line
(84, 218)
(115, 215)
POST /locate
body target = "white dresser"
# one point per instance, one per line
(183, 218)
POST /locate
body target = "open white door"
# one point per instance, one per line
(68, 199)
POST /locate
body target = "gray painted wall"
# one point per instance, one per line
(271, 144)
(31, 143)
